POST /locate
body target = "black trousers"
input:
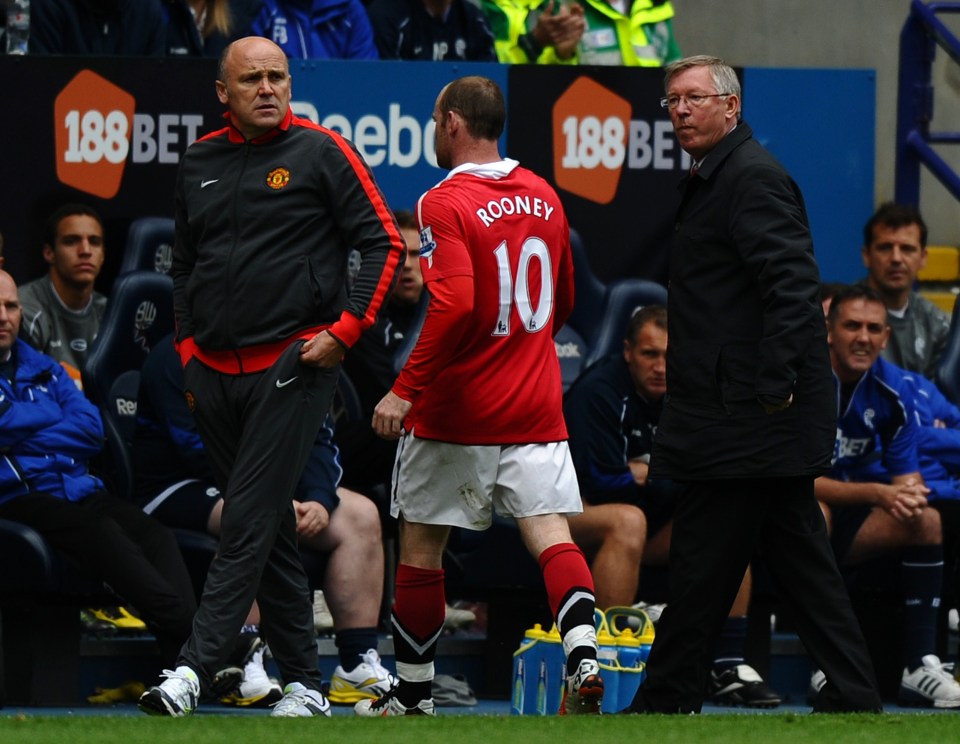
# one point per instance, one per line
(114, 540)
(718, 527)
(258, 430)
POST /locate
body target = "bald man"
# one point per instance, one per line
(267, 210)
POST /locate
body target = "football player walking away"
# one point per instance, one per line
(478, 405)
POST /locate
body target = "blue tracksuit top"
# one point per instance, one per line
(48, 431)
(878, 427)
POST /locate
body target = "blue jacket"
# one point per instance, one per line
(938, 446)
(317, 29)
(48, 431)
(878, 428)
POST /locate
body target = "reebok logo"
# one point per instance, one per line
(92, 123)
(590, 125)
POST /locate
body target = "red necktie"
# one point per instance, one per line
(693, 170)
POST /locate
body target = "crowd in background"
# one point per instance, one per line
(596, 32)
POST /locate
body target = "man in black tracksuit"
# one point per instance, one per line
(268, 209)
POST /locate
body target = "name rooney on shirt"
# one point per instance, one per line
(506, 206)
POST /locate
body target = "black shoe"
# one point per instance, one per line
(228, 679)
(742, 686)
(244, 647)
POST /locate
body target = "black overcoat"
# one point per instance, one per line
(745, 321)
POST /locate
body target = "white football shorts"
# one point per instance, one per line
(460, 485)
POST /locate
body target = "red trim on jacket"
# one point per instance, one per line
(246, 360)
(237, 137)
(349, 328)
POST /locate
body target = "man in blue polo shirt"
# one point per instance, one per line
(877, 421)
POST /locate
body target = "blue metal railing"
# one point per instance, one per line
(922, 33)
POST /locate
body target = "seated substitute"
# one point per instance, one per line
(894, 250)
(175, 484)
(612, 412)
(868, 518)
(48, 433)
(62, 311)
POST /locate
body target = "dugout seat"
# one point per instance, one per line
(41, 593)
(139, 314)
(623, 298)
(589, 292)
(149, 245)
(572, 352)
(345, 405)
(947, 375)
(402, 353)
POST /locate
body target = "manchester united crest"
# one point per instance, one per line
(278, 178)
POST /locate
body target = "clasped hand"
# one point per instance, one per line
(905, 501)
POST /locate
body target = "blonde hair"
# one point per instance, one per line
(218, 18)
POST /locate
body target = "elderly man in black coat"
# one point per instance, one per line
(750, 414)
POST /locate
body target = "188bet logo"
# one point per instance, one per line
(92, 117)
(590, 126)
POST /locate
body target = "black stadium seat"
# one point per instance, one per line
(589, 291)
(149, 245)
(623, 299)
(947, 375)
(572, 352)
(139, 314)
(601, 310)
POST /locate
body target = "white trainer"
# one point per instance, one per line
(176, 696)
(256, 689)
(930, 685)
(457, 617)
(322, 619)
(654, 611)
(368, 680)
(301, 702)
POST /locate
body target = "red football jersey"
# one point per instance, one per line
(492, 377)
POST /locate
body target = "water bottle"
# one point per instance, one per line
(519, 694)
(556, 671)
(526, 666)
(18, 26)
(609, 670)
(630, 654)
(542, 689)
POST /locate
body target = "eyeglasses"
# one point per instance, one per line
(694, 99)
